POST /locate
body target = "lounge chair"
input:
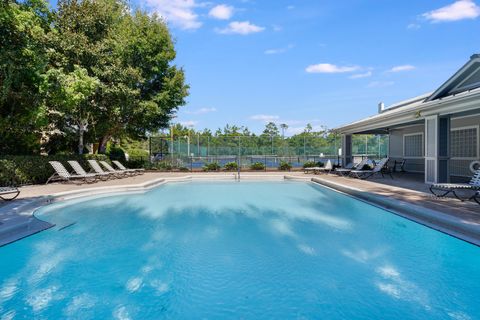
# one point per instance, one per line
(9, 191)
(327, 168)
(365, 174)
(476, 197)
(345, 171)
(80, 171)
(98, 170)
(442, 189)
(121, 167)
(311, 169)
(62, 174)
(110, 169)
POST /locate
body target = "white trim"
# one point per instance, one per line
(459, 87)
(435, 144)
(477, 127)
(419, 133)
(467, 116)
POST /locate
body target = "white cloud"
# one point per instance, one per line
(279, 50)
(329, 68)
(459, 10)
(240, 27)
(201, 111)
(189, 123)
(179, 13)
(405, 67)
(264, 117)
(380, 84)
(361, 75)
(221, 12)
(290, 7)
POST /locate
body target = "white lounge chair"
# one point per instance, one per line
(311, 169)
(98, 170)
(110, 169)
(442, 189)
(62, 174)
(80, 171)
(345, 171)
(121, 167)
(327, 168)
(9, 191)
(365, 174)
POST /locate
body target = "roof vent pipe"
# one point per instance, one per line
(381, 107)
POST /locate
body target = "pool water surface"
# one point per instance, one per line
(236, 250)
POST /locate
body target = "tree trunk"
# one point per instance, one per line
(102, 147)
(82, 127)
(80, 141)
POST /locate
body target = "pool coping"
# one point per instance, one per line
(27, 224)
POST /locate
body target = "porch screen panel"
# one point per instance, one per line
(413, 146)
(431, 140)
(463, 150)
(464, 143)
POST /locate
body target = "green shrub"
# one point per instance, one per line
(257, 166)
(183, 169)
(116, 153)
(21, 170)
(310, 164)
(285, 166)
(214, 166)
(231, 166)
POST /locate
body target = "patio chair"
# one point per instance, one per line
(476, 197)
(98, 170)
(121, 167)
(345, 171)
(311, 169)
(399, 166)
(379, 168)
(327, 168)
(80, 171)
(62, 174)
(9, 191)
(443, 189)
(109, 168)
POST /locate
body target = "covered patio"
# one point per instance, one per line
(436, 135)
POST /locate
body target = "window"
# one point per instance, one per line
(464, 142)
(413, 145)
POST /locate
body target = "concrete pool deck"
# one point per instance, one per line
(409, 199)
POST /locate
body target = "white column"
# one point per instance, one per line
(437, 149)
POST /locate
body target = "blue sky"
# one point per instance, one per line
(312, 61)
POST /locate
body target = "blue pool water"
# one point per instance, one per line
(225, 250)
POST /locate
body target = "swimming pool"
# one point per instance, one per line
(222, 250)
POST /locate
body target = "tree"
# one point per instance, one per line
(271, 129)
(70, 94)
(284, 127)
(143, 47)
(139, 89)
(23, 46)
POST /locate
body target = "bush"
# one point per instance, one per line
(183, 169)
(257, 166)
(285, 166)
(214, 166)
(310, 164)
(231, 166)
(160, 165)
(21, 170)
(116, 153)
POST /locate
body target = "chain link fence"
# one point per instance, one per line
(256, 152)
